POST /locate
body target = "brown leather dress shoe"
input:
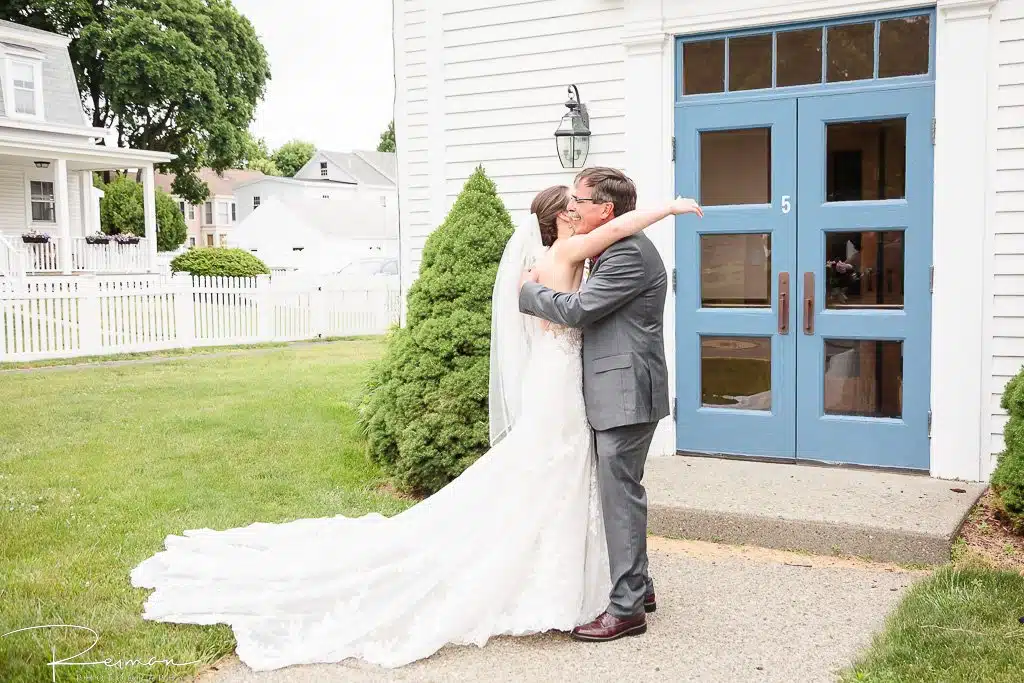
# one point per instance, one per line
(609, 627)
(650, 603)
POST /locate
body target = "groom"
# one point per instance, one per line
(625, 384)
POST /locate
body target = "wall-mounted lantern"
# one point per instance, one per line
(573, 135)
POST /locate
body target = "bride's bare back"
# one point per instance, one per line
(559, 273)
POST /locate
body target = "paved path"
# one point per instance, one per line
(724, 614)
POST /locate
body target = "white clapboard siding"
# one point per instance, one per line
(12, 201)
(483, 82)
(1008, 291)
(67, 316)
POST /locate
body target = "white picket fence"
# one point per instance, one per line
(63, 317)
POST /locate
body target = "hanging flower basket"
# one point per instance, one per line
(33, 237)
(98, 238)
(126, 238)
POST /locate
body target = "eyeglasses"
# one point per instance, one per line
(580, 200)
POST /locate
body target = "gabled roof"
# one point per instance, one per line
(225, 185)
(385, 163)
(355, 165)
(61, 101)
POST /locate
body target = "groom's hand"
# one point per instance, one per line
(528, 276)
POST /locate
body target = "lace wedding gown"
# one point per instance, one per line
(515, 545)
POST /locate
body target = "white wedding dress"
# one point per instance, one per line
(515, 545)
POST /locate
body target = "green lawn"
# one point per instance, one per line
(98, 465)
(958, 626)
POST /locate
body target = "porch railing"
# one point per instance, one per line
(12, 259)
(112, 257)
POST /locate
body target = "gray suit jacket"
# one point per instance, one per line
(621, 309)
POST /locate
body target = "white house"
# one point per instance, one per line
(329, 175)
(317, 237)
(209, 224)
(855, 291)
(48, 153)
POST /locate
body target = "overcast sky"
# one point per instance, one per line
(332, 71)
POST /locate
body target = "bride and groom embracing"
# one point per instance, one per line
(545, 531)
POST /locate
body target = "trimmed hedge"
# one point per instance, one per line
(1008, 477)
(425, 412)
(219, 261)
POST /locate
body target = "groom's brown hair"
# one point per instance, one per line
(610, 185)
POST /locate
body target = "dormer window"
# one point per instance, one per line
(323, 169)
(22, 81)
(25, 86)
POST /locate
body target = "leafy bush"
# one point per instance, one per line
(121, 212)
(425, 412)
(219, 261)
(1008, 477)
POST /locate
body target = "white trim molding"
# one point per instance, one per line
(958, 10)
(32, 36)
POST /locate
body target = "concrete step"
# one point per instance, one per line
(882, 516)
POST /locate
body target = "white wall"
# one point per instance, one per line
(14, 201)
(265, 189)
(1006, 302)
(483, 81)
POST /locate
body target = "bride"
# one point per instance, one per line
(515, 545)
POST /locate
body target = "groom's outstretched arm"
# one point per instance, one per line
(619, 280)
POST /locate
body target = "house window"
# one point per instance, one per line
(255, 202)
(323, 169)
(223, 240)
(191, 241)
(26, 85)
(209, 240)
(234, 213)
(181, 205)
(209, 213)
(326, 196)
(222, 213)
(191, 212)
(44, 208)
(383, 201)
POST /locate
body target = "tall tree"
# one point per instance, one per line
(256, 157)
(291, 156)
(178, 76)
(387, 139)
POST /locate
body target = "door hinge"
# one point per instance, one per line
(673, 280)
(933, 130)
(929, 424)
(931, 279)
(673, 148)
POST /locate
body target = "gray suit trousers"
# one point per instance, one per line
(621, 456)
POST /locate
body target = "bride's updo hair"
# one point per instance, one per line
(546, 206)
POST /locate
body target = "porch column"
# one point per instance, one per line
(961, 355)
(149, 211)
(648, 134)
(85, 183)
(60, 187)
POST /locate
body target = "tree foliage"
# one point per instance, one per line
(292, 156)
(122, 211)
(425, 412)
(387, 139)
(178, 76)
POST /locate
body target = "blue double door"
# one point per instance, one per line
(803, 298)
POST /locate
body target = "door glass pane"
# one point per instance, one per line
(798, 55)
(736, 167)
(903, 46)
(704, 67)
(736, 372)
(851, 52)
(750, 62)
(866, 160)
(864, 269)
(735, 271)
(864, 378)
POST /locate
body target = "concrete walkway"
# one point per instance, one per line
(827, 510)
(724, 614)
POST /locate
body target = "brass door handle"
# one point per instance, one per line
(809, 303)
(783, 303)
